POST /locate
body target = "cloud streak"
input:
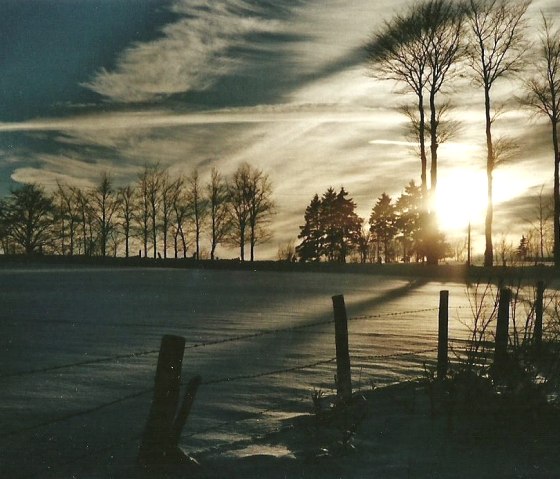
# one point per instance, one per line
(191, 54)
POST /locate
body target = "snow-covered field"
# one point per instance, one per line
(79, 348)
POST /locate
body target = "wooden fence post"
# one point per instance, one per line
(502, 327)
(343, 375)
(538, 328)
(164, 425)
(443, 335)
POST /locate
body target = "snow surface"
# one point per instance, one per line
(79, 349)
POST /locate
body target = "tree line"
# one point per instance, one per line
(394, 231)
(434, 42)
(160, 214)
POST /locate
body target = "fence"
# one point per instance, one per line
(166, 414)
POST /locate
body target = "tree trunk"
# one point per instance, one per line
(489, 249)
(556, 194)
(422, 143)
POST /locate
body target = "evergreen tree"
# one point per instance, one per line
(328, 222)
(348, 226)
(408, 210)
(311, 233)
(382, 223)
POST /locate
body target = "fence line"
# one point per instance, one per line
(75, 414)
(227, 379)
(240, 337)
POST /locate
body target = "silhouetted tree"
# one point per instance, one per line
(495, 50)
(170, 189)
(143, 205)
(420, 49)
(382, 223)
(68, 215)
(217, 199)
(239, 190)
(87, 218)
(543, 95)
(364, 244)
(261, 209)
(126, 214)
(28, 218)
(311, 233)
(523, 248)
(181, 210)
(199, 208)
(328, 222)
(105, 203)
(348, 226)
(408, 211)
(251, 206)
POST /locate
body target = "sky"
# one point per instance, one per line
(92, 86)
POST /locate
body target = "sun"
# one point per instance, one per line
(460, 199)
(461, 196)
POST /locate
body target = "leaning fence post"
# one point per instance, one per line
(443, 334)
(157, 442)
(501, 341)
(343, 376)
(538, 329)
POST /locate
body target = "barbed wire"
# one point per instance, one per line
(203, 344)
(75, 414)
(87, 362)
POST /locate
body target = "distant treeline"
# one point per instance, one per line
(161, 215)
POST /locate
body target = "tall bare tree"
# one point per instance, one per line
(261, 208)
(495, 49)
(143, 205)
(149, 188)
(86, 216)
(126, 195)
(543, 95)
(217, 198)
(421, 50)
(251, 204)
(198, 208)
(68, 212)
(181, 210)
(170, 189)
(105, 203)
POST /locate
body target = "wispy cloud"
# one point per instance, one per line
(191, 54)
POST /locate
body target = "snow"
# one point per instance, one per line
(79, 349)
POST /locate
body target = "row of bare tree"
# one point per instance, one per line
(437, 41)
(158, 212)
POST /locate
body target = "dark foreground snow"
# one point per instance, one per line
(79, 348)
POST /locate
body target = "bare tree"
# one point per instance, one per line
(86, 216)
(143, 204)
(181, 209)
(126, 195)
(543, 95)
(149, 200)
(421, 50)
(251, 205)
(105, 203)
(495, 50)
(66, 200)
(198, 208)
(217, 198)
(170, 189)
(29, 218)
(261, 208)
(396, 53)
(238, 193)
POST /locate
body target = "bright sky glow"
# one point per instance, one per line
(110, 86)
